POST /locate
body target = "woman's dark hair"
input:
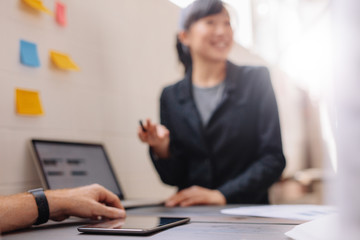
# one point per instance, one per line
(189, 15)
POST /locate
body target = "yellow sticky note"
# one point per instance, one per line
(28, 102)
(63, 61)
(38, 5)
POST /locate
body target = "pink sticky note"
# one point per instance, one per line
(61, 13)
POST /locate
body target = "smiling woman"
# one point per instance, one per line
(207, 40)
(219, 139)
(241, 17)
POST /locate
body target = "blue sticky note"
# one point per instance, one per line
(28, 54)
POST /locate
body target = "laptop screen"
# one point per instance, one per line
(70, 164)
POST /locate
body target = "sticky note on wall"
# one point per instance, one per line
(28, 54)
(38, 5)
(61, 14)
(63, 61)
(28, 102)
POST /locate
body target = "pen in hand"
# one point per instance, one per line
(142, 126)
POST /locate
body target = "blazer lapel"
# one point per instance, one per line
(190, 114)
(230, 85)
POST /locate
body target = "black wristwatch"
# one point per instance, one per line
(42, 204)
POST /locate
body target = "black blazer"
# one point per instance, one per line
(239, 152)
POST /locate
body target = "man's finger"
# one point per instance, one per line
(108, 212)
(110, 199)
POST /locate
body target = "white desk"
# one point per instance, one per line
(206, 223)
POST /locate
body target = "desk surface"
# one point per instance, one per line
(206, 223)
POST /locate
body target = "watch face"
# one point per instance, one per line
(36, 190)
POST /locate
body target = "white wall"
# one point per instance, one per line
(125, 52)
(125, 49)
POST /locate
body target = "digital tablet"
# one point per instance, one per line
(139, 225)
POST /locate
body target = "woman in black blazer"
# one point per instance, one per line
(219, 140)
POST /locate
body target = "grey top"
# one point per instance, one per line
(207, 99)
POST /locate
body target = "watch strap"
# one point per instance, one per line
(42, 205)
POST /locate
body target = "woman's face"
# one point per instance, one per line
(210, 38)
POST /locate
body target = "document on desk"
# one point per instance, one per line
(295, 212)
(326, 227)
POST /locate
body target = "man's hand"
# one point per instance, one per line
(92, 201)
(196, 195)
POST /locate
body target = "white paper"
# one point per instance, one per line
(323, 228)
(295, 212)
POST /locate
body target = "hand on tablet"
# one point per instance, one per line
(196, 195)
(92, 201)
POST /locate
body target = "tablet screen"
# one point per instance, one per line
(133, 225)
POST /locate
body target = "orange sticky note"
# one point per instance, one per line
(38, 5)
(28, 102)
(63, 61)
(61, 14)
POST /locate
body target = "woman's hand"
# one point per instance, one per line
(157, 136)
(196, 195)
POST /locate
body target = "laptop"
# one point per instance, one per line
(62, 164)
